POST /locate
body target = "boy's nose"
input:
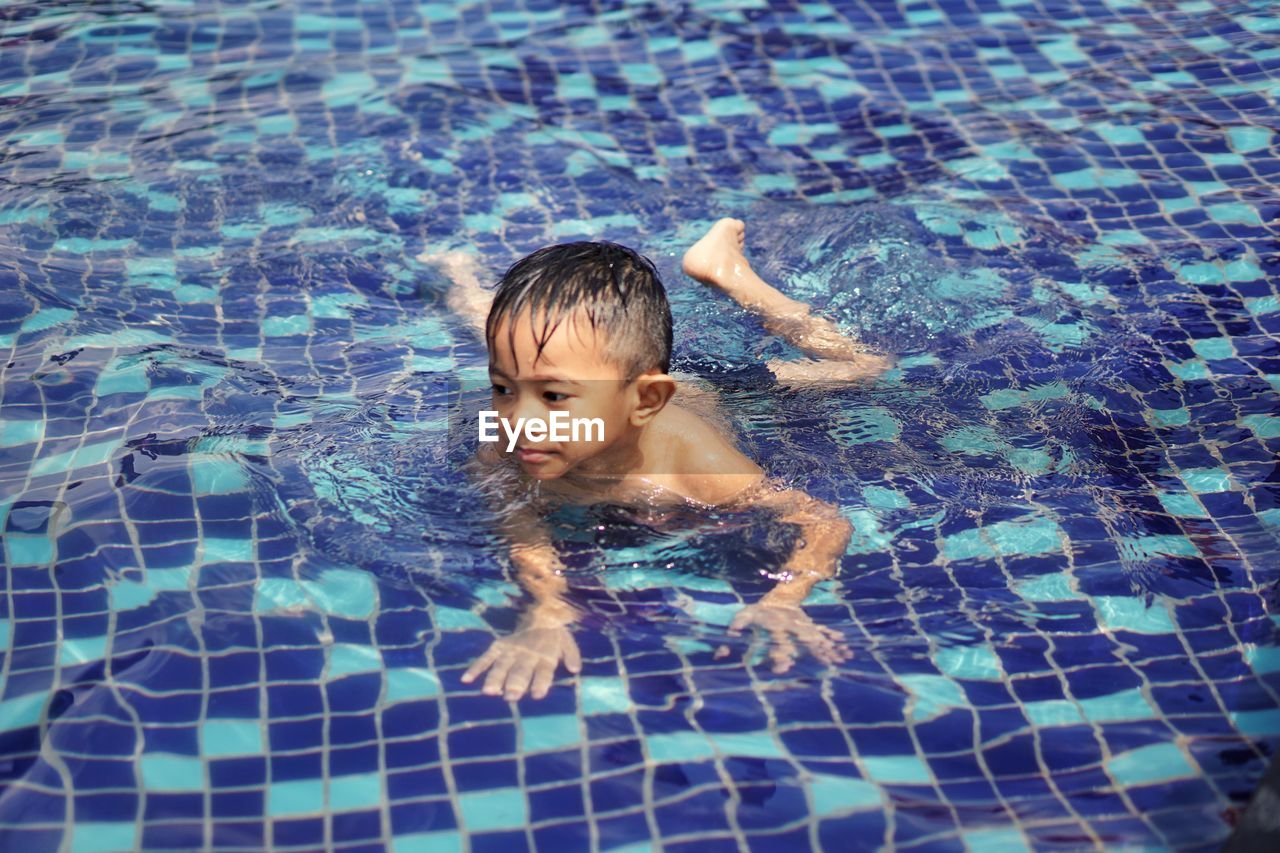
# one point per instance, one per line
(527, 406)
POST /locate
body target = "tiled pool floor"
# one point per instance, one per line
(244, 574)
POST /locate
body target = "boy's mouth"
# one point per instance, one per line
(528, 454)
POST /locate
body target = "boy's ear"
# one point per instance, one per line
(653, 390)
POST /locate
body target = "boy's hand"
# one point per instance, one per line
(782, 620)
(527, 657)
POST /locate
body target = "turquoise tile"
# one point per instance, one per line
(1263, 658)
(1003, 839)
(163, 771)
(1189, 370)
(1050, 587)
(1169, 417)
(15, 432)
(456, 619)
(104, 837)
(1244, 270)
(1249, 137)
(1120, 134)
(349, 658)
(1115, 707)
(1008, 538)
(404, 683)
(1264, 723)
(1053, 712)
(553, 731)
(278, 594)
(217, 476)
(295, 797)
(1159, 762)
(711, 613)
(897, 769)
(1211, 349)
(932, 694)
(833, 795)
(973, 440)
(503, 808)
(731, 105)
(679, 746)
(226, 550)
(774, 183)
(1257, 306)
(89, 454)
(604, 695)
(1003, 398)
(343, 592)
(20, 712)
(221, 737)
(1204, 480)
(1184, 505)
(1127, 613)
(428, 842)
(299, 324)
(74, 650)
(130, 595)
(883, 498)
(969, 662)
(1234, 213)
(867, 537)
(1263, 426)
(760, 744)
(1149, 547)
(23, 549)
(355, 792)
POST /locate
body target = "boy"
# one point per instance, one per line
(585, 328)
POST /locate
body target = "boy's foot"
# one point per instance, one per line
(466, 297)
(452, 261)
(717, 259)
(714, 257)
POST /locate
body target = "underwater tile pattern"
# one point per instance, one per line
(243, 574)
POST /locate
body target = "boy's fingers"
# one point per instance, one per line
(497, 675)
(783, 652)
(572, 658)
(519, 678)
(542, 680)
(481, 664)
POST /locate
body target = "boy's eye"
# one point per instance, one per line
(548, 395)
(499, 389)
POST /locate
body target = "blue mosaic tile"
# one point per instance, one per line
(222, 431)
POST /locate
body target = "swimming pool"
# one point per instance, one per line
(244, 574)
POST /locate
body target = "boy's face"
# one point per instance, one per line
(572, 375)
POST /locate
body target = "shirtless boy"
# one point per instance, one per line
(585, 328)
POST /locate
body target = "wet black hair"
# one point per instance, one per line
(617, 287)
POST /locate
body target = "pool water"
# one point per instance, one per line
(244, 571)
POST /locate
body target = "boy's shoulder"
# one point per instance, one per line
(705, 461)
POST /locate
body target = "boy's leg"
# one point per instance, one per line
(717, 259)
(467, 298)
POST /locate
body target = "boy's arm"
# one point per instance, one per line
(526, 661)
(825, 535)
(538, 567)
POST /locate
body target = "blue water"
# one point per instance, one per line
(244, 570)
